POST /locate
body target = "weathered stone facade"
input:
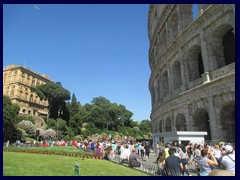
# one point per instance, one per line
(192, 61)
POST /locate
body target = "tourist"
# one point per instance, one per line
(133, 160)
(167, 147)
(139, 150)
(204, 162)
(147, 151)
(161, 168)
(173, 164)
(220, 173)
(218, 155)
(228, 160)
(125, 153)
(184, 159)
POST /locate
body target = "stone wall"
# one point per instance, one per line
(192, 61)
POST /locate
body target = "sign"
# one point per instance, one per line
(77, 169)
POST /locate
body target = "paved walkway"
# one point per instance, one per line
(153, 157)
(150, 166)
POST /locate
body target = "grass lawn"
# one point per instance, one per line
(26, 164)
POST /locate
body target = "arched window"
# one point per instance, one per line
(229, 47)
(195, 63)
(176, 75)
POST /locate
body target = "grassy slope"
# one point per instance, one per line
(24, 164)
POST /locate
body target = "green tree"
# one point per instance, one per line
(146, 126)
(74, 106)
(10, 119)
(53, 92)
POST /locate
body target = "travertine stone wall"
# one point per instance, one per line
(192, 61)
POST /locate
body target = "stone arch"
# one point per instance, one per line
(173, 27)
(168, 125)
(227, 121)
(195, 63)
(165, 85)
(163, 40)
(181, 124)
(154, 127)
(223, 45)
(201, 122)
(152, 91)
(229, 47)
(160, 126)
(176, 75)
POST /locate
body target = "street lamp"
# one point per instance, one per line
(59, 110)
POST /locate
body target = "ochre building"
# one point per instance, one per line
(19, 83)
(192, 61)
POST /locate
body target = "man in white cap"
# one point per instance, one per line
(229, 159)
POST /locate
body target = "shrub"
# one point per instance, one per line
(28, 127)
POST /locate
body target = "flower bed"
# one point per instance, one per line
(58, 150)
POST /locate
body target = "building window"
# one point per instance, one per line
(33, 83)
(10, 73)
(5, 74)
(13, 87)
(15, 72)
(31, 98)
(12, 93)
(38, 82)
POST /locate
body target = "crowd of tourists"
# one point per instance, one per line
(208, 160)
(172, 159)
(129, 152)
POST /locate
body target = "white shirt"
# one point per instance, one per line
(229, 163)
(217, 153)
(125, 153)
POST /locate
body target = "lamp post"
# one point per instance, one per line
(58, 121)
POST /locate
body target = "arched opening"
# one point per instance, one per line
(176, 75)
(195, 63)
(160, 126)
(24, 111)
(165, 83)
(223, 46)
(163, 41)
(229, 47)
(29, 112)
(31, 98)
(227, 116)
(168, 125)
(201, 122)
(173, 28)
(181, 123)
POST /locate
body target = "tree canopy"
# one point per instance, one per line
(54, 93)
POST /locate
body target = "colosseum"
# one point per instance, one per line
(192, 61)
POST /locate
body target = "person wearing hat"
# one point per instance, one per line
(228, 160)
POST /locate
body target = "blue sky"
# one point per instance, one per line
(93, 50)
